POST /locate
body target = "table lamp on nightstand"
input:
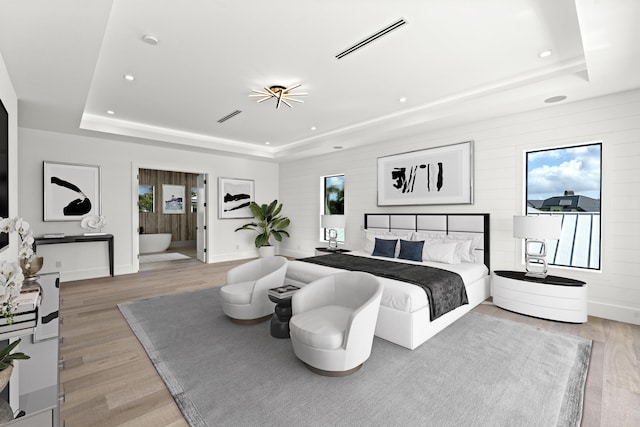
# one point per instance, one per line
(332, 222)
(535, 229)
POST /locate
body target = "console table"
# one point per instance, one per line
(553, 298)
(40, 240)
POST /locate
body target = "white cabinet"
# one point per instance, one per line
(37, 378)
(553, 298)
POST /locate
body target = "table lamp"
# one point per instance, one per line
(332, 222)
(536, 229)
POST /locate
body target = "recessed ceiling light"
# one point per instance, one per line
(129, 77)
(403, 99)
(555, 99)
(313, 128)
(545, 53)
(267, 143)
(111, 112)
(152, 40)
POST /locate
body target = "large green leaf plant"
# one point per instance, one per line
(268, 223)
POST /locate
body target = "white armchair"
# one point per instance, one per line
(245, 295)
(333, 322)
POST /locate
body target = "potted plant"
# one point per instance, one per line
(268, 223)
(6, 362)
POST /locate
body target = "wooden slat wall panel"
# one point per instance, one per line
(181, 226)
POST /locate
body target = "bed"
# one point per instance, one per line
(404, 317)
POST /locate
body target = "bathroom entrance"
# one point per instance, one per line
(171, 218)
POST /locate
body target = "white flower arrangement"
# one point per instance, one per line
(11, 276)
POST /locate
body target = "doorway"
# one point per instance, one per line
(170, 215)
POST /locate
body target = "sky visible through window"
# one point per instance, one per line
(551, 172)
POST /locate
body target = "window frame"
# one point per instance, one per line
(323, 234)
(556, 243)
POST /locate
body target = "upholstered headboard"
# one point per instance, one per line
(459, 224)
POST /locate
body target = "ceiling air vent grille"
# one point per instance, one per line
(228, 116)
(371, 38)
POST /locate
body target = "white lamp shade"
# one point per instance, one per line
(537, 227)
(332, 221)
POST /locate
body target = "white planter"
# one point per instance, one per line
(266, 251)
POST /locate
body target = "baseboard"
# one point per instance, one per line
(614, 312)
(234, 256)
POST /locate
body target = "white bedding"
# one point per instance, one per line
(398, 295)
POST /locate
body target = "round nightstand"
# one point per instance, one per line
(553, 298)
(327, 251)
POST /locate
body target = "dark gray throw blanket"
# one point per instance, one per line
(445, 289)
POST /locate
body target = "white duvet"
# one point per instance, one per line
(398, 295)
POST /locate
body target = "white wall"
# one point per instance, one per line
(499, 188)
(118, 160)
(10, 101)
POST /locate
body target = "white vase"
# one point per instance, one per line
(266, 251)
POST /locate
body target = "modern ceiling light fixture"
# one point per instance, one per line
(280, 93)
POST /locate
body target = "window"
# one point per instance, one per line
(145, 198)
(332, 203)
(567, 181)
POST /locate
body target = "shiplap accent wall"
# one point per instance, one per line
(499, 188)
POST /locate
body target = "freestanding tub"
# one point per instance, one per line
(157, 242)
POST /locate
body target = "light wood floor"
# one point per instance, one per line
(109, 381)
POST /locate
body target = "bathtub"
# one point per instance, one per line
(158, 242)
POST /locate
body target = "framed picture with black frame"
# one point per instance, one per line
(71, 191)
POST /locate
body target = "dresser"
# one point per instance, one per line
(34, 387)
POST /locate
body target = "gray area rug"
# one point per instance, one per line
(480, 371)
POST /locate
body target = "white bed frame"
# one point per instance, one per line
(410, 329)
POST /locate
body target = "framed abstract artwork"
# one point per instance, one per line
(235, 195)
(173, 199)
(434, 176)
(71, 191)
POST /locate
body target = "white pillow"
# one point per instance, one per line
(464, 251)
(467, 252)
(369, 239)
(425, 235)
(428, 242)
(444, 252)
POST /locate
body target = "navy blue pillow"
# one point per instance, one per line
(411, 250)
(385, 248)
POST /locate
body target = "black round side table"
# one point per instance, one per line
(281, 317)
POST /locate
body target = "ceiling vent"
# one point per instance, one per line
(228, 116)
(371, 38)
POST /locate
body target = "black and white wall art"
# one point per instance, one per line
(235, 195)
(71, 191)
(173, 199)
(434, 176)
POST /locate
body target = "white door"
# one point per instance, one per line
(201, 219)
